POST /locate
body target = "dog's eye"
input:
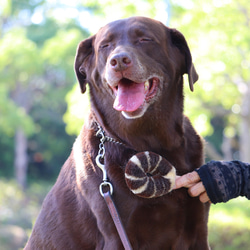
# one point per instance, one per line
(146, 39)
(105, 45)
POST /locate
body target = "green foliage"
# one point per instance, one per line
(10, 110)
(7, 155)
(59, 52)
(229, 225)
(49, 147)
(18, 212)
(218, 34)
(36, 64)
(78, 108)
(123, 8)
(18, 64)
(5, 7)
(39, 33)
(19, 55)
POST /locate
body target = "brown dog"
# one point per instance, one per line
(134, 68)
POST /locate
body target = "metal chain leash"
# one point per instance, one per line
(100, 161)
(105, 137)
(107, 195)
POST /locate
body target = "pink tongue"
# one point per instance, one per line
(129, 97)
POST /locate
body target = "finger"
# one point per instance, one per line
(196, 189)
(204, 197)
(187, 180)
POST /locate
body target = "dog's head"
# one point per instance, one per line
(134, 61)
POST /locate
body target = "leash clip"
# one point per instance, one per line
(99, 159)
(103, 184)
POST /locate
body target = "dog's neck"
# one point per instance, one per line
(160, 127)
(141, 136)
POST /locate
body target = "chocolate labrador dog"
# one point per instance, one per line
(134, 68)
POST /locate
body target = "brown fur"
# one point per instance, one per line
(74, 214)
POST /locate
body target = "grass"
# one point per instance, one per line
(229, 223)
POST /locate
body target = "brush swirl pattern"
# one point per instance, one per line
(149, 175)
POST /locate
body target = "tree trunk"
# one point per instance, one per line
(245, 128)
(21, 158)
(227, 148)
(211, 152)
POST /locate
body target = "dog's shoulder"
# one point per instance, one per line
(194, 144)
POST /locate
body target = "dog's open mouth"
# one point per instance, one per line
(131, 96)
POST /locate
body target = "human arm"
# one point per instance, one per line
(218, 181)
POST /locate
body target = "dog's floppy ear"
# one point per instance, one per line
(84, 54)
(180, 42)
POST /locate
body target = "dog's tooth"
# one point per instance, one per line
(146, 85)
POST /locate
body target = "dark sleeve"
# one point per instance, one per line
(225, 180)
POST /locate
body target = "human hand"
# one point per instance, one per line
(195, 187)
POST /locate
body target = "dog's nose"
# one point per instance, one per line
(120, 62)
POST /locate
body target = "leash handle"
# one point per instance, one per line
(117, 220)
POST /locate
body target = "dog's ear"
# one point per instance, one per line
(180, 42)
(83, 58)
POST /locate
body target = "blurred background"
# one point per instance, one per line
(42, 109)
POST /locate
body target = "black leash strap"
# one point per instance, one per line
(117, 220)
